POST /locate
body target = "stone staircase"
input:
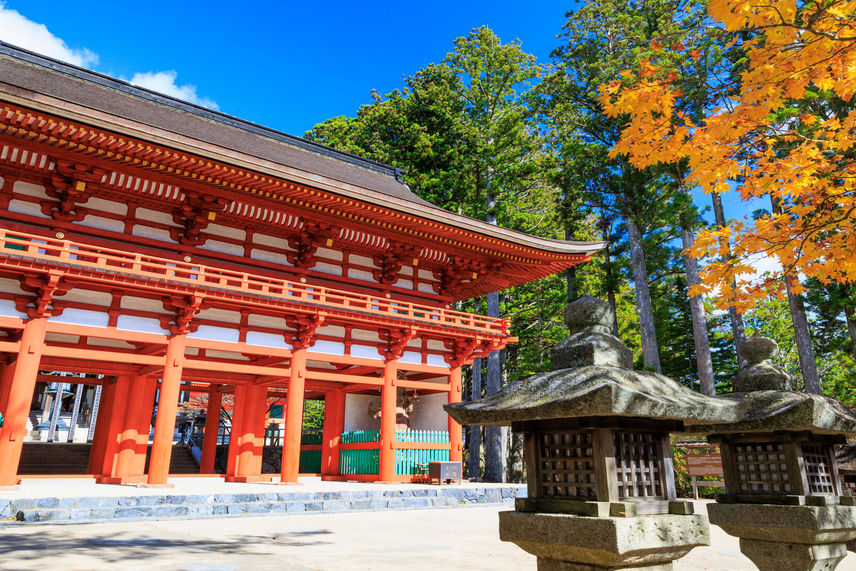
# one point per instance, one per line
(53, 458)
(39, 458)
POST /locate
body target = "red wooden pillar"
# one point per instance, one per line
(334, 424)
(7, 371)
(20, 396)
(293, 418)
(132, 413)
(144, 425)
(246, 444)
(212, 428)
(456, 441)
(102, 426)
(387, 421)
(113, 425)
(167, 409)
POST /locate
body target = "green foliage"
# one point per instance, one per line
(490, 133)
(313, 415)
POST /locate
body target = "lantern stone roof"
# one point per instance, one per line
(596, 379)
(766, 401)
(593, 376)
(594, 390)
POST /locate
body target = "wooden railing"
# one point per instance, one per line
(101, 259)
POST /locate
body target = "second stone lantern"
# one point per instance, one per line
(601, 491)
(783, 493)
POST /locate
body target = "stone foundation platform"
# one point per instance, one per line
(171, 505)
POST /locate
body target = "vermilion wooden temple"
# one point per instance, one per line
(154, 248)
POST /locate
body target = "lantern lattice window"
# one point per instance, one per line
(761, 468)
(639, 464)
(817, 467)
(567, 465)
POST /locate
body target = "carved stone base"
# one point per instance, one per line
(798, 538)
(564, 542)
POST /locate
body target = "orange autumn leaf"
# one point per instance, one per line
(748, 140)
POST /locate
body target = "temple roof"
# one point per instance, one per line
(55, 87)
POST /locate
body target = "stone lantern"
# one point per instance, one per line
(601, 492)
(783, 492)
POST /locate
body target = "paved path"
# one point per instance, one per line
(463, 538)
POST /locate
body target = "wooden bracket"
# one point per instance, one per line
(395, 342)
(185, 309)
(194, 215)
(463, 351)
(390, 262)
(305, 327)
(45, 288)
(306, 242)
(70, 186)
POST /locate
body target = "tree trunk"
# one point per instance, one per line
(738, 332)
(610, 289)
(702, 343)
(808, 366)
(494, 458)
(650, 353)
(571, 273)
(475, 440)
(850, 316)
(802, 335)
(495, 461)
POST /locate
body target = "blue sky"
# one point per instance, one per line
(286, 65)
(280, 64)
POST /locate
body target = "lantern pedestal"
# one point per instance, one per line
(777, 537)
(579, 543)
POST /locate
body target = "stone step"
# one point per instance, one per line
(73, 459)
(155, 507)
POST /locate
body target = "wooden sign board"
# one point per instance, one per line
(704, 464)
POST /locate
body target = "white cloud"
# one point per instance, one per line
(18, 30)
(761, 264)
(164, 82)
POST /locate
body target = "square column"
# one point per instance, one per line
(167, 409)
(20, 395)
(293, 418)
(212, 428)
(247, 442)
(387, 421)
(334, 425)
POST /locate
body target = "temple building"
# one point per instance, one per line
(152, 250)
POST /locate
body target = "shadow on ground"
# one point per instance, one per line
(21, 548)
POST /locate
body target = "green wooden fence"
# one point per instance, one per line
(310, 460)
(406, 459)
(359, 461)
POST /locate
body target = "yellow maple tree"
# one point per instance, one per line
(770, 127)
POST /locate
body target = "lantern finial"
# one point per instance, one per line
(591, 342)
(761, 374)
